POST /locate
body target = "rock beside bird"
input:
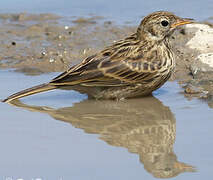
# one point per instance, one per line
(194, 56)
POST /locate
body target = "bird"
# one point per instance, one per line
(129, 68)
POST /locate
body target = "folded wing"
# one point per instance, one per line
(106, 71)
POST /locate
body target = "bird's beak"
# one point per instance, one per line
(181, 22)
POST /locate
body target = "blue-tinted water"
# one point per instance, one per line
(62, 139)
(119, 10)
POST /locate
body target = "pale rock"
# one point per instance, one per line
(202, 42)
(203, 38)
(206, 58)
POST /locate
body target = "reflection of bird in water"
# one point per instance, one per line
(149, 132)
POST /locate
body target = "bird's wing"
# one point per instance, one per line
(106, 71)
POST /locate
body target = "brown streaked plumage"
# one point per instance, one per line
(135, 66)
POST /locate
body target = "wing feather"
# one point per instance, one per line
(106, 71)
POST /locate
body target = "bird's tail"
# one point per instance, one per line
(30, 91)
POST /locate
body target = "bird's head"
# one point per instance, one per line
(158, 25)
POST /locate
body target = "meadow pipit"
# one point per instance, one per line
(132, 67)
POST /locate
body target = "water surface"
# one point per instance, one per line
(115, 10)
(61, 134)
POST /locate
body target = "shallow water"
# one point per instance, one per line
(61, 134)
(115, 10)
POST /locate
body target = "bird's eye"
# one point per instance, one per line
(164, 23)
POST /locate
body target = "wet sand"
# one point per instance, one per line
(36, 44)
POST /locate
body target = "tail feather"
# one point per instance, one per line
(30, 91)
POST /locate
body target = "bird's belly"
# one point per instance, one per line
(127, 91)
(131, 91)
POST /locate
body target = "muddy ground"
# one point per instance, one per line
(35, 44)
